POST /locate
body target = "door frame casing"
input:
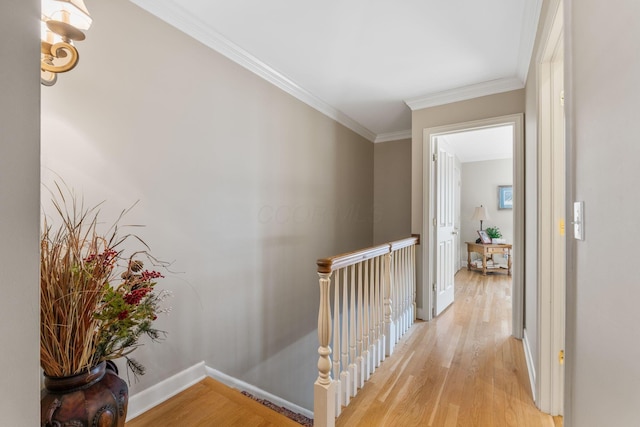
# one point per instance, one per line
(428, 134)
(549, 382)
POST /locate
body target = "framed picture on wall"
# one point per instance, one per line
(484, 237)
(505, 197)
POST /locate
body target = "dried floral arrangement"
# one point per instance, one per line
(96, 302)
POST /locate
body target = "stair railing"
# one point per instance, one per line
(373, 305)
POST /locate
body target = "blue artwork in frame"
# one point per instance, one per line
(505, 197)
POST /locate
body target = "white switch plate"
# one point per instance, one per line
(578, 220)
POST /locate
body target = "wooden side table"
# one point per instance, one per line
(488, 249)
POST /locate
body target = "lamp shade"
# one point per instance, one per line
(480, 214)
(72, 12)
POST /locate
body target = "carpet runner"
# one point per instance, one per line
(299, 418)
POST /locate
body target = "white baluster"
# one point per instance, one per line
(353, 371)
(366, 353)
(336, 345)
(408, 286)
(403, 291)
(403, 314)
(377, 311)
(409, 291)
(324, 408)
(359, 344)
(372, 317)
(344, 374)
(405, 285)
(398, 287)
(412, 283)
(381, 336)
(389, 296)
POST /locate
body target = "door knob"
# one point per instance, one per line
(454, 232)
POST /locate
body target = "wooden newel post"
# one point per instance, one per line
(324, 405)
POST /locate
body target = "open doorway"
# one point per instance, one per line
(473, 172)
(430, 137)
(483, 174)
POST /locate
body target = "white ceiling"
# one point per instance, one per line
(367, 63)
(482, 144)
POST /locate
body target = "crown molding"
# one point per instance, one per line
(177, 17)
(530, 20)
(393, 136)
(466, 92)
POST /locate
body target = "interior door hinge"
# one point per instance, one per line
(433, 287)
(434, 222)
(435, 157)
(561, 357)
(562, 98)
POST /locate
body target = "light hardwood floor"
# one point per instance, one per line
(463, 369)
(211, 404)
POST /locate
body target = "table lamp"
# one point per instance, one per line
(480, 214)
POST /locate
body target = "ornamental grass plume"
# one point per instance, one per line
(88, 312)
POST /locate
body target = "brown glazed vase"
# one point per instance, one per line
(97, 398)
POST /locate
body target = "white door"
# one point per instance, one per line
(444, 261)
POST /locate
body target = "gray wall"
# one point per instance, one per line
(239, 183)
(480, 181)
(603, 315)
(392, 191)
(19, 207)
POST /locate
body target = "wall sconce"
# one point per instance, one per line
(62, 24)
(481, 214)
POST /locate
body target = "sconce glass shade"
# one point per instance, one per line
(480, 214)
(63, 21)
(72, 12)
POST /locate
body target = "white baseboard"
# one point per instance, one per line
(257, 392)
(165, 389)
(530, 366)
(158, 393)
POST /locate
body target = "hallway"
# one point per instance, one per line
(462, 369)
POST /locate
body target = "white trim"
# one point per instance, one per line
(530, 19)
(147, 399)
(165, 389)
(420, 314)
(551, 206)
(550, 32)
(531, 368)
(466, 92)
(393, 136)
(257, 392)
(427, 238)
(174, 15)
